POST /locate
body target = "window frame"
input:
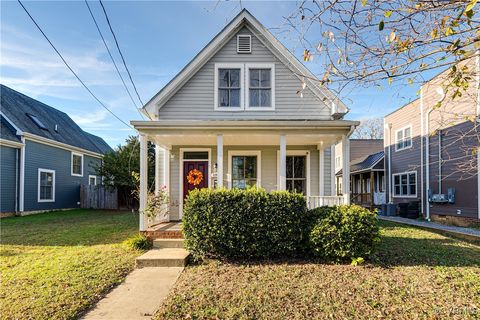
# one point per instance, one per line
(270, 66)
(40, 171)
(240, 66)
(71, 164)
(297, 153)
(408, 195)
(90, 176)
(246, 153)
(403, 138)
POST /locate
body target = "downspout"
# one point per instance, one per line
(440, 161)
(427, 160)
(16, 179)
(390, 184)
(22, 176)
(422, 194)
(478, 124)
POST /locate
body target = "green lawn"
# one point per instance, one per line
(415, 274)
(55, 265)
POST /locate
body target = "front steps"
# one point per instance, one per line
(165, 253)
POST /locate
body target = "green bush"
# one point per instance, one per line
(139, 242)
(244, 224)
(342, 232)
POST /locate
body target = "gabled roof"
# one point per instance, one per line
(7, 132)
(370, 162)
(244, 19)
(21, 110)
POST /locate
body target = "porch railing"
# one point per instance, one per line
(320, 201)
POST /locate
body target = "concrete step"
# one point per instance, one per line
(168, 243)
(167, 257)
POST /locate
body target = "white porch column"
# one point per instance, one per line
(283, 163)
(166, 169)
(219, 161)
(346, 169)
(143, 179)
(333, 177)
(321, 170)
(158, 168)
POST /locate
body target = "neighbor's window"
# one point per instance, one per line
(92, 180)
(405, 184)
(244, 171)
(229, 87)
(260, 87)
(403, 138)
(297, 174)
(46, 185)
(77, 164)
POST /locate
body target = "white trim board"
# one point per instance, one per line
(257, 153)
(10, 143)
(240, 66)
(90, 176)
(409, 126)
(40, 170)
(181, 173)
(53, 143)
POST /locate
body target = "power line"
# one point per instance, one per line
(113, 60)
(69, 68)
(120, 51)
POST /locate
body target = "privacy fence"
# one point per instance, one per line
(98, 197)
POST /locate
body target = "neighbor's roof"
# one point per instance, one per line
(19, 109)
(244, 18)
(372, 161)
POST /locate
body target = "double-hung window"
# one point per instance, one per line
(77, 164)
(244, 169)
(403, 138)
(46, 185)
(260, 88)
(297, 174)
(405, 184)
(229, 88)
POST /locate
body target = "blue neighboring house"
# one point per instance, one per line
(44, 156)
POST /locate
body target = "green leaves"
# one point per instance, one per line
(388, 14)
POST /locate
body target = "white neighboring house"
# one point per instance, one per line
(234, 114)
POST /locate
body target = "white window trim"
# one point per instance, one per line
(296, 153)
(181, 174)
(240, 66)
(257, 153)
(40, 170)
(270, 66)
(71, 164)
(393, 185)
(411, 138)
(92, 176)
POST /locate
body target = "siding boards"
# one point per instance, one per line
(195, 100)
(67, 187)
(8, 178)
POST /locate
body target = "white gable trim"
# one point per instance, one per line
(264, 36)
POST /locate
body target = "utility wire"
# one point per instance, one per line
(113, 60)
(120, 52)
(71, 70)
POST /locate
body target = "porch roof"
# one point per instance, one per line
(244, 132)
(371, 162)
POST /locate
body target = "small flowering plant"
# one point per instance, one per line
(157, 203)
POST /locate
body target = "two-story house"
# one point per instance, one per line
(244, 112)
(432, 151)
(44, 156)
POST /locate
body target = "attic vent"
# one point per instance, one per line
(244, 43)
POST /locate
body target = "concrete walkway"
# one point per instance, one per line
(464, 233)
(138, 297)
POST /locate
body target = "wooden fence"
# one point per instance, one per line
(98, 197)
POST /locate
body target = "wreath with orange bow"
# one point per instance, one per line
(195, 177)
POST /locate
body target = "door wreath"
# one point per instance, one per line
(195, 177)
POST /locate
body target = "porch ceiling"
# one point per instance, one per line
(204, 133)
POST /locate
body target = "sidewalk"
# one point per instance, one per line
(138, 297)
(464, 233)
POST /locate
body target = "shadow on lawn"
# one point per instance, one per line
(69, 228)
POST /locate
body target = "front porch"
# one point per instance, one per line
(274, 155)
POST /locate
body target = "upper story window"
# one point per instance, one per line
(403, 138)
(236, 92)
(77, 164)
(229, 88)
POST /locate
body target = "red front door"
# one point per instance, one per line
(201, 166)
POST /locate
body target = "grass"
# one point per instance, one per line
(415, 274)
(55, 265)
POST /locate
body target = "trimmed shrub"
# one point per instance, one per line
(342, 232)
(252, 223)
(138, 242)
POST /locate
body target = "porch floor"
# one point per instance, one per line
(165, 230)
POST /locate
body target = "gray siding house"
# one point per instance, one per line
(244, 112)
(45, 156)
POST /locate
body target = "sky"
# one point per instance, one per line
(157, 39)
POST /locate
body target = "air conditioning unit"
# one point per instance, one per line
(441, 197)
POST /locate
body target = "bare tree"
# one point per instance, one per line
(369, 129)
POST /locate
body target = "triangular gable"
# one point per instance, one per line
(263, 35)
